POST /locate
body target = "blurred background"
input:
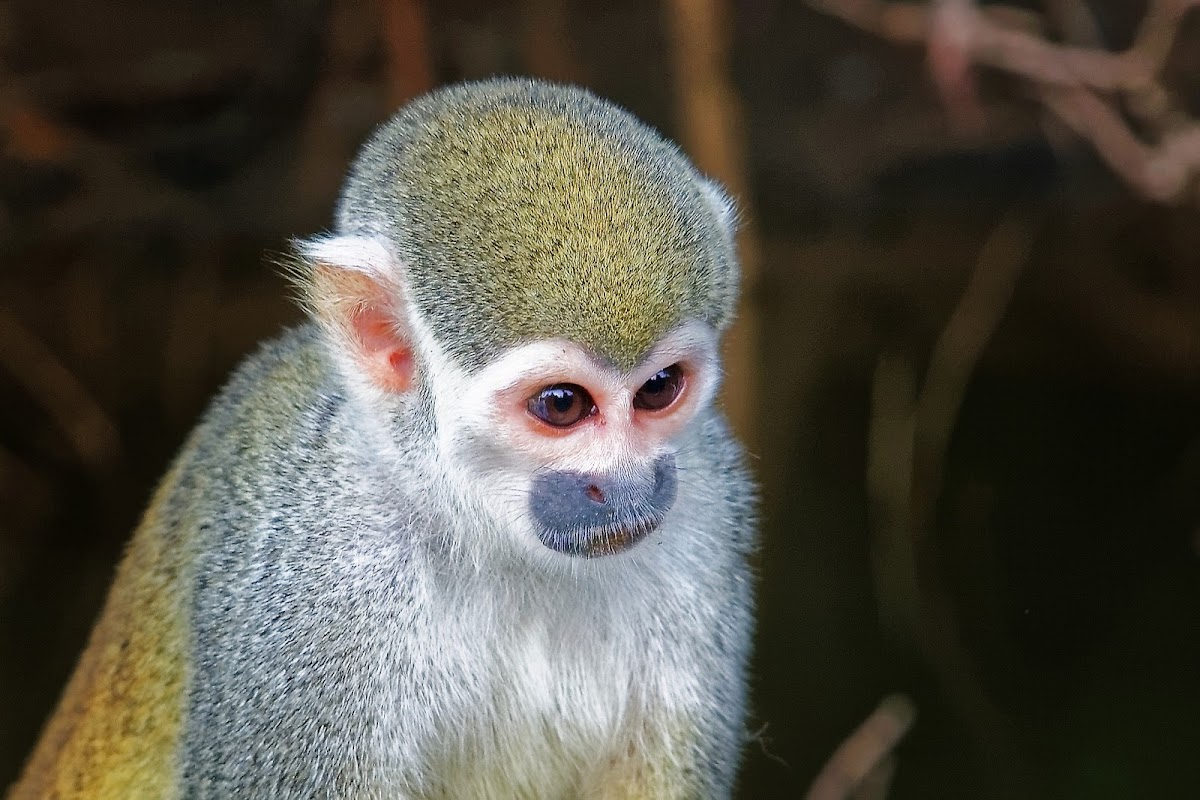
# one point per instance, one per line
(967, 364)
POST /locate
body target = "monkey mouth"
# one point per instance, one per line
(600, 540)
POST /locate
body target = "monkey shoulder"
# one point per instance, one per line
(281, 414)
(274, 390)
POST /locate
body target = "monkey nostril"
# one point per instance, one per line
(595, 493)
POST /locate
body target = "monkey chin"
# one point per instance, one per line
(602, 540)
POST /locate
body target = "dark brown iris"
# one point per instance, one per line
(661, 390)
(562, 405)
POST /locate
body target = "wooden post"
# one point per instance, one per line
(409, 70)
(711, 131)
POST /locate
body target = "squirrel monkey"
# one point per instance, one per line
(478, 530)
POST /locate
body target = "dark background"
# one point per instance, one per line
(1035, 591)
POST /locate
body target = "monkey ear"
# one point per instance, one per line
(722, 204)
(351, 287)
(725, 289)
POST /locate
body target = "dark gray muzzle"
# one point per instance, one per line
(599, 514)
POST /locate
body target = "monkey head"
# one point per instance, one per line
(549, 279)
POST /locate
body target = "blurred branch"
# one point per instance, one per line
(958, 349)
(908, 437)
(81, 419)
(1083, 86)
(862, 766)
(1161, 172)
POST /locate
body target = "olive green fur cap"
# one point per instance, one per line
(524, 210)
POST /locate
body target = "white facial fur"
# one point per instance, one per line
(483, 419)
(489, 446)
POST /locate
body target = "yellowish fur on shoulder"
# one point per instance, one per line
(116, 730)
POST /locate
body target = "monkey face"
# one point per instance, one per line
(562, 447)
(577, 455)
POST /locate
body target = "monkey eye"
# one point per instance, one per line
(561, 405)
(661, 390)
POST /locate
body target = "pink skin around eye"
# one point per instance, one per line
(615, 428)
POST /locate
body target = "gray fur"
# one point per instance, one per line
(365, 623)
(344, 650)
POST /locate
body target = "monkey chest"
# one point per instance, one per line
(548, 720)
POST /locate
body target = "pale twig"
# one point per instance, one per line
(1078, 84)
(958, 349)
(861, 767)
(1160, 173)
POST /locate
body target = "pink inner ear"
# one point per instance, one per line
(387, 356)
